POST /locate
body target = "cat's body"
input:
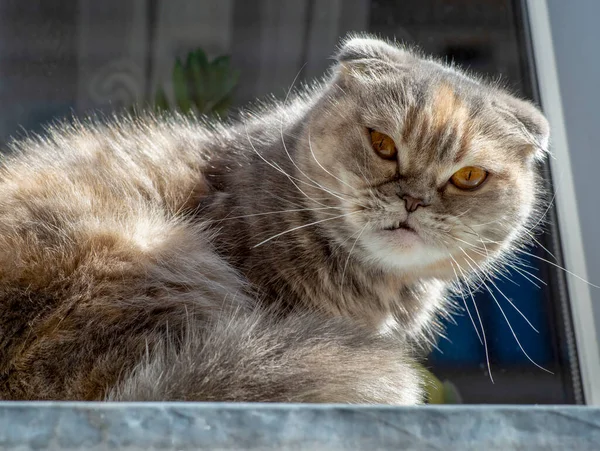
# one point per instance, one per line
(275, 259)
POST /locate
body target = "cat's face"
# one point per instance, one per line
(436, 169)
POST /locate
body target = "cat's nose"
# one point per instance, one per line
(412, 203)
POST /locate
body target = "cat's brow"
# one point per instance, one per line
(451, 120)
(443, 128)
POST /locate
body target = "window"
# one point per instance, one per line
(61, 57)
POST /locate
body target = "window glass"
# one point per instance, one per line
(60, 58)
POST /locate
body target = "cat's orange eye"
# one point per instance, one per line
(469, 178)
(382, 144)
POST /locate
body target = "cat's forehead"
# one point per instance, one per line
(440, 112)
(437, 120)
(443, 122)
(423, 88)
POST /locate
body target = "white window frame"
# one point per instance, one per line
(569, 220)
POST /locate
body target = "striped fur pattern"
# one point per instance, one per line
(266, 259)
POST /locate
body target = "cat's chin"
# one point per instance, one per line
(402, 248)
(402, 236)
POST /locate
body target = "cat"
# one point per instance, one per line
(301, 253)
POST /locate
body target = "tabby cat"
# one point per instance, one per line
(303, 253)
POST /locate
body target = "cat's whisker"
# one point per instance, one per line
(451, 319)
(527, 275)
(559, 267)
(316, 186)
(227, 218)
(367, 151)
(319, 185)
(523, 251)
(348, 258)
(503, 295)
(485, 345)
(531, 235)
(483, 224)
(523, 263)
(487, 254)
(303, 226)
(509, 264)
(322, 167)
(506, 275)
(300, 200)
(505, 317)
(462, 295)
(464, 212)
(291, 178)
(443, 336)
(338, 246)
(486, 274)
(473, 246)
(512, 263)
(431, 343)
(277, 168)
(470, 233)
(541, 218)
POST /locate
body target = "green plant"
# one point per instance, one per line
(200, 86)
(438, 392)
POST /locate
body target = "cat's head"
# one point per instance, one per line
(436, 168)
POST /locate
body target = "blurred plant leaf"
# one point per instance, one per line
(200, 85)
(161, 103)
(198, 67)
(180, 87)
(438, 392)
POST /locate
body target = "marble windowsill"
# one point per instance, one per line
(182, 426)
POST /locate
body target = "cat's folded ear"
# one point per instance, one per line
(361, 56)
(532, 124)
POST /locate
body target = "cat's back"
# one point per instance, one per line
(95, 252)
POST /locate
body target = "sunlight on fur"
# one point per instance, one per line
(305, 252)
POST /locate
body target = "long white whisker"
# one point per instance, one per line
(339, 196)
(525, 274)
(436, 347)
(303, 226)
(505, 317)
(321, 166)
(350, 254)
(540, 244)
(514, 266)
(462, 295)
(545, 212)
(338, 246)
(559, 267)
(503, 295)
(277, 168)
(496, 221)
(464, 212)
(275, 212)
(290, 199)
(532, 236)
(290, 178)
(485, 346)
